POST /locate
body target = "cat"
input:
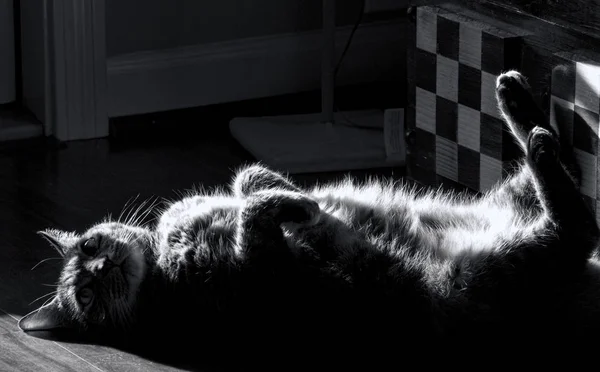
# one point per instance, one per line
(376, 270)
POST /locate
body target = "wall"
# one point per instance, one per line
(159, 24)
(7, 52)
(33, 58)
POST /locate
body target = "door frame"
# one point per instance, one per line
(66, 85)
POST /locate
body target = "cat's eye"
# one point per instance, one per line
(90, 247)
(85, 296)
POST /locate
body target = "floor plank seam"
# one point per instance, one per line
(79, 357)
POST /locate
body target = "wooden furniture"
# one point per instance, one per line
(544, 29)
(455, 137)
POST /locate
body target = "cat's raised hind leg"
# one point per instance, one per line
(571, 219)
(521, 114)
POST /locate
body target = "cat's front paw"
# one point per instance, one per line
(256, 178)
(542, 146)
(302, 211)
(285, 207)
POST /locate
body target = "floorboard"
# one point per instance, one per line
(21, 352)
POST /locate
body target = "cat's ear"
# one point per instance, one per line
(49, 317)
(62, 241)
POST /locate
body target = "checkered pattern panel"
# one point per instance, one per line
(457, 61)
(574, 112)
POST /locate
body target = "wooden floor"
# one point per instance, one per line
(45, 185)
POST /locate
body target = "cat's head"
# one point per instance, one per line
(102, 271)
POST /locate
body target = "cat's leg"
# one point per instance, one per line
(260, 221)
(256, 177)
(518, 107)
(521, 113)
(570, 218)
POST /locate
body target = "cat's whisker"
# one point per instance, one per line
(131, 215)
(128, 204)
(45, 260)
(140, 212)
(42, 297)
(48, 300)
(150, 209)
(119, 218)
(148, 222)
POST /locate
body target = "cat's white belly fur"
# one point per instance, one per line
(442, 227)
(458, 229)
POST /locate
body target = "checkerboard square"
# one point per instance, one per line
(561, 118)
(427, 72)
(490, 172)
(446, 158)
(447, 38)
(588, 164)
(468, 167)
(469, 84)
(492, 52)
(587, 86)
(446, 118)
(426, 30)
(447, 78)
(469, 124)
(563, 82)
(489, 105)
(585, 130)
(470, 46)
(513, 49)
(491, 133)
(425, 110)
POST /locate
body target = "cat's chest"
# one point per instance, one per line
(196, 230)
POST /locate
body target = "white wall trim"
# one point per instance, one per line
(241, 69)
(77, 69)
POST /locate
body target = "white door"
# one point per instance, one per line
(7, 52)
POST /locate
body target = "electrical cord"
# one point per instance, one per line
(349, 41)
(349, 122)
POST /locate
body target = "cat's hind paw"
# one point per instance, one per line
(512, 78)
(518, 107)
(542, 146)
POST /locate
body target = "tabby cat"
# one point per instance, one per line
(374, 271)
